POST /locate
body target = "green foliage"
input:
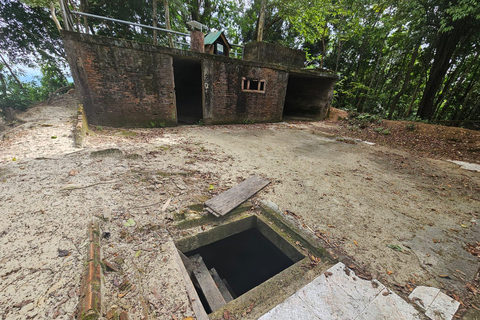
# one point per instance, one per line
(401, 59)
(157, 124)
(52, 79)
(16, 97)
(363, 120)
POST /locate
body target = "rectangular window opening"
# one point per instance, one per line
(253, 85)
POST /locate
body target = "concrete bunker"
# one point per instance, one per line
(230, 260)
(188, 90)
(306, 95)
(130, 84)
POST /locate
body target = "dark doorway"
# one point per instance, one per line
(188, 90)
(307, 97)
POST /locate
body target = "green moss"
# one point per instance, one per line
(133, 156)
(127, 133)
(113, 152)
(197, 207)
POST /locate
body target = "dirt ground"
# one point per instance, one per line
(403, 217)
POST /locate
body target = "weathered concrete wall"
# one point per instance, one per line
(309, 96)
(274, 54)
(226, 102)
(128, 84)
(120, 84)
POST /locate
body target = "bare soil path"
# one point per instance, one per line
(406, 219)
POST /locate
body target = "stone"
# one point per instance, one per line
(423, 296)
(329, 301)
(389, 307)
(359, 289)
(292, 308)
(442, 308)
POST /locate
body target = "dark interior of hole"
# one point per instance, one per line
(305, 96)
(188, 90)
(244, 260)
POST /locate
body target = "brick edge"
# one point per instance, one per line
(90, 306)
(81, 127)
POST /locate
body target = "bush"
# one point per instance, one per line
(363, 120)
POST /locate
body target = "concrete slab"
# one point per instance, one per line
(292, 308)
(329, 301)
(467, 165)
(339, 294)
(389, 307)
(423, 296)
(360, 290)
(442, 308)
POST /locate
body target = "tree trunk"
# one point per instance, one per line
(445, 47)
(13, 74)
(167, 23)
(406, 82)
(154, 18)
(3, 85)
(84, 8)
(339, 51)
(412, 101)
(54, 17)
(261, 21)
(324, 49)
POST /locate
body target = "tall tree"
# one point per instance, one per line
(459, 20)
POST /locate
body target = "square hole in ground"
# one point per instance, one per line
(228, 261)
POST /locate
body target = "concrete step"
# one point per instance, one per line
(221, 286)
(204, 280)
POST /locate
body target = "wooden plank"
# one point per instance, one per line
(189, 265)
(197, 307)
(221, 286)
(227, 285)
(205, 281)
(233, 197)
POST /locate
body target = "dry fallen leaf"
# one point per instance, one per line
(389, 272)
(226, 315)
(356, 243)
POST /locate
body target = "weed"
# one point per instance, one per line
(385, 132)
(247, 121)
(379, 129)
(200, 122)
(411, 126)
(127, 133)
(157, 124)
(99, 128)
(363, 120)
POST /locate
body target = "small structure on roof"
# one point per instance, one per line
(217, 43)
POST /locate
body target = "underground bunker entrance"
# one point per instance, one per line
(228, 261)
(188, 90)
(305, 97)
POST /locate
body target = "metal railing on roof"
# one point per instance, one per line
(182, 43)
(129, 23)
